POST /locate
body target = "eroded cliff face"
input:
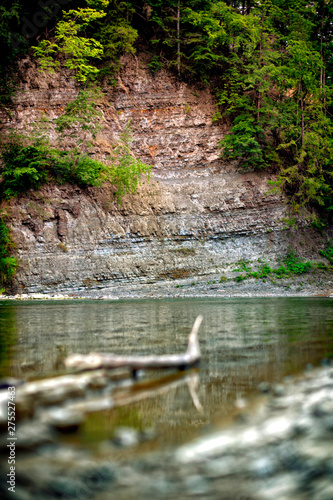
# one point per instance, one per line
(195, 215)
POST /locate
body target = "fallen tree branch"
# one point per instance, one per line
(157, 388)
(93, 360)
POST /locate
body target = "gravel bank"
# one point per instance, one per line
(283, 451)
(207, 286)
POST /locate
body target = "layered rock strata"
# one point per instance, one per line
(195, 215)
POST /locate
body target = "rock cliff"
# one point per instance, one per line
(194, 216)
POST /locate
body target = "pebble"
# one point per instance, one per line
(263, 467)
(159, 488)
(323, 408)
(240, 403)
(264, 387)
(63, 419)
(64, 487)
(283, 487)
(125, 437)
(148, 434)
(95, 477)
(324, 489)
(223, 467)
(30, 436)
(283, 452)
(278, 390)
(328, 423)
(128, 476)
(196, 485)
(159, 289)
(302, 426)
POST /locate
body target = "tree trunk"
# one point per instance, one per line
(178, 38)
(302, 119)
(321, 54)
(260, 49)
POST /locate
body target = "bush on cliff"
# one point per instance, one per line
(28, 166)
(25, 167)
(125, 170)
(8, 264)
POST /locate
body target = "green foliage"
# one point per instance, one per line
(240, 278)
(328, 252)
(242, 265)
(281, 272)
(265, 270)
(81, 118)
(29, 166)
(24, 168)
(9, 19)
(277, 101)
(126, 171)
(117, 35)
(243, 144)
(8, 264)
(294, 264)
(10, 25)
(72, 43)
(87, 172)
(117, 40)
(75, 168)
(271, 67)
(269, 63)
(85, 37)
(155, 64)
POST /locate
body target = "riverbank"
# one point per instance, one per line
(307, 285)
(222, 440)
(282, 449)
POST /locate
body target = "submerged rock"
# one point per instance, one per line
(264, 387)
(125, 437)
(63, 419)
(284, 452)
(30, 436)
(10, 382)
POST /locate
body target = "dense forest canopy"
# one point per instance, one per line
(268, 63)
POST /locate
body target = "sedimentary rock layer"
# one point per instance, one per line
(196, 213)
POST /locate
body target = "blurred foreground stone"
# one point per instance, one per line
(283, 452)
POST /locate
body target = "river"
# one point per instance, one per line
(243, 342)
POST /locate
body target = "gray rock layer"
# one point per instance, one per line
(195, 215)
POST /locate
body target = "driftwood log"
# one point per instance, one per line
(75, 392)
(139, 393)
(94, 361)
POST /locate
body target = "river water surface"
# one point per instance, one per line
(243, 342)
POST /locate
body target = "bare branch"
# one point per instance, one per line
(93, 360)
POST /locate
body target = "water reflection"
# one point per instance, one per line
(243, 342)
(7, 338)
